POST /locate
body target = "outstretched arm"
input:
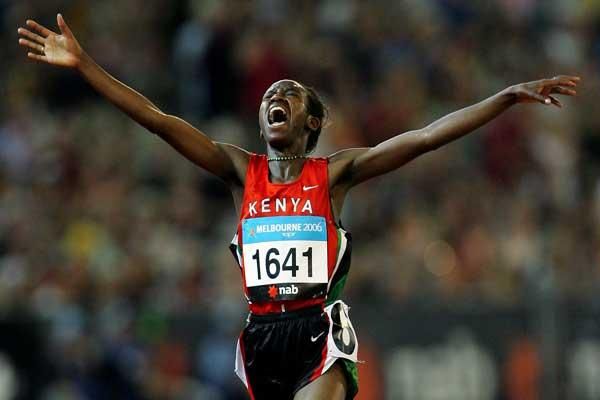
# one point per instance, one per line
(361, 164)
(225, 161)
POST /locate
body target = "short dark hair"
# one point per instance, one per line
(317, 108)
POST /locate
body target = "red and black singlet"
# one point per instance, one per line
(291, 252)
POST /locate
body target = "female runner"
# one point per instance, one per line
(293, 253)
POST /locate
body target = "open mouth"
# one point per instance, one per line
(277, 116)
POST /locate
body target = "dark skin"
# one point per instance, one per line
(347, 168)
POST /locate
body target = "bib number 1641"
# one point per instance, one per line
(273, 266)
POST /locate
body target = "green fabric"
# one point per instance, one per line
(351, 373)
(334, 294)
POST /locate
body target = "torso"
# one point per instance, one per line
(318, 201)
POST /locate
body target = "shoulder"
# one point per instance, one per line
(239, 158)
(341, 163)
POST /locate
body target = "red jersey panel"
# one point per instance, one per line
(287, 243)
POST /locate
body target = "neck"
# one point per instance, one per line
(285, 171)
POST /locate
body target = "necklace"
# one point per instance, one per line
(286, 158)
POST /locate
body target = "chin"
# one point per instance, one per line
(278, 134)
(278, 143)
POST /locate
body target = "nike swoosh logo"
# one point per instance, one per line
(314, 338)
(305, 188)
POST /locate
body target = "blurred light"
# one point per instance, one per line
(439, 258)
(8, 379)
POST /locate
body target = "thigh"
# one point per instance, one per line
(331, 385)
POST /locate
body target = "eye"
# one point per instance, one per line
(291, 92)
(271, 92)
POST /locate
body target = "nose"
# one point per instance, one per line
(278, 95)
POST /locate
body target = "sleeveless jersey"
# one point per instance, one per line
(290, 251)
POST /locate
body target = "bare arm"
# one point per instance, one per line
(358, 165)
(225, 161)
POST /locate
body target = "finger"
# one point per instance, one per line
(557, 80)
(562, 90)
(62, 25)
(555, 101)
(567, 83)
(42, 30)
(28, 43)
(547, 86)
(31, 35)
(566, 80)
(37, 57)
(568, 77)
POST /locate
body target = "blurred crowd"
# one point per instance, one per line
(109, 237)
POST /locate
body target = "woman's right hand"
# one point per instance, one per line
(62, 50)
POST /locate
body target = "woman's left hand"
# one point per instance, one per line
(542, 91)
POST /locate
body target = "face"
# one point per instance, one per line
(282, 115)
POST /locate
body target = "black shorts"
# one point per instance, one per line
(280, 354)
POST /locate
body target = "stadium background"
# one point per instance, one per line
(476, 268)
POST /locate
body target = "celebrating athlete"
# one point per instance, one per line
(293, 253)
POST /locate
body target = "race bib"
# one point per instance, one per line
(285, 257)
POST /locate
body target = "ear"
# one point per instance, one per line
(312, 123)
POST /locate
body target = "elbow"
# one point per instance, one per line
(427, 142)
(157, 121)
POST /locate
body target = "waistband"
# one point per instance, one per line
(299, 313)
(278, 307)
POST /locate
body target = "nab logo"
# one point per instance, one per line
(282, 291)
(288, 289)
